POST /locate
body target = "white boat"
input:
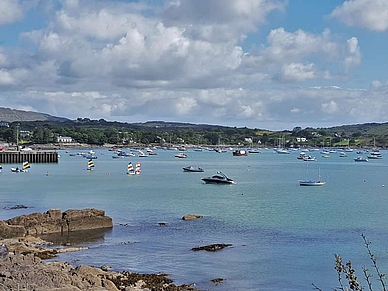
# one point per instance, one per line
(90, 165)
(375, 155)
(282, 151)
(311, 183)
(307, 182)
(309, 158)
(192, 169)
(26, 166)
(361, 159)
(343, 155)
(142, 154)
(181, 155)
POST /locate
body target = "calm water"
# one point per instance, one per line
(284, 236)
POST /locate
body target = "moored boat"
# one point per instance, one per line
(219, 178)
(240, 153)
(361, 159)
(181, 155)
(192, 169)
(311, 183)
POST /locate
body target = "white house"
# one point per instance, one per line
(301, 139)
(65, 139)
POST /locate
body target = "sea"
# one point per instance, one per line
(283, 236)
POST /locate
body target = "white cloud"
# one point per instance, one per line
(6, 78)
(354, 57)
(330, 107)
(369, 14)
(287, 46)
(220, 20)
(10, 11)
(300, 72)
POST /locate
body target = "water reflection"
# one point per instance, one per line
(77, 237)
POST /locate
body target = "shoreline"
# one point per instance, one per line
(23, 265)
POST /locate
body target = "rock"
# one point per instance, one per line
(105, 268)
(211, 248)
(18, 206)
(3, 251)
(8, 231)
(162, 223)
(191, 216)
(54, 221)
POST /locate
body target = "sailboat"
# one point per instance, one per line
(26, 166)
(311, 182)
(130, 170)
(90, 165)
(137, 169)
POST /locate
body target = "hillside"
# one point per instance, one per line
(13, 115)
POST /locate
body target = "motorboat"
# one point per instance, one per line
(219, 178)
(181, 155)
(240, 153)
(361, 159)
(192, 169)
(375, 155)
(309, 159)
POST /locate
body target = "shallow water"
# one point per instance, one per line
(284, 236)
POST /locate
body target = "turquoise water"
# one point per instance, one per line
(284, 236)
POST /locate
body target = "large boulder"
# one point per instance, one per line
(54, 221)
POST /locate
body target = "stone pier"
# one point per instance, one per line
(15, 157)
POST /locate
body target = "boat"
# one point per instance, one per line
(130, 169)
(311, 183)
(26, 166)
(90, 165)
(192, 169)
(309, 158)
(142, 154)
(306, 182)
(361, 159)
(253, 151)
(343, 155)
(375, 155)
(240, 153)
(1, 168)
(181, 155)
(137, 169)
(219, 178)
(282, 151)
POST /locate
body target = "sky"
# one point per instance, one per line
(268, 64)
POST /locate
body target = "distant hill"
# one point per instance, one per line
(177, 125)
(13, 115)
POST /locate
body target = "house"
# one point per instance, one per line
(65, 139)
(301, 139)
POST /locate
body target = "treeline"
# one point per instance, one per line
(100, 132)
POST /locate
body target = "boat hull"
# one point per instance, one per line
(191, 169)
(311, 183)
(216, 181)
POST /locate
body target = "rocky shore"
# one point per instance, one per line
(22, 255)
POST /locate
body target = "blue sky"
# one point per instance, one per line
(271, 64)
